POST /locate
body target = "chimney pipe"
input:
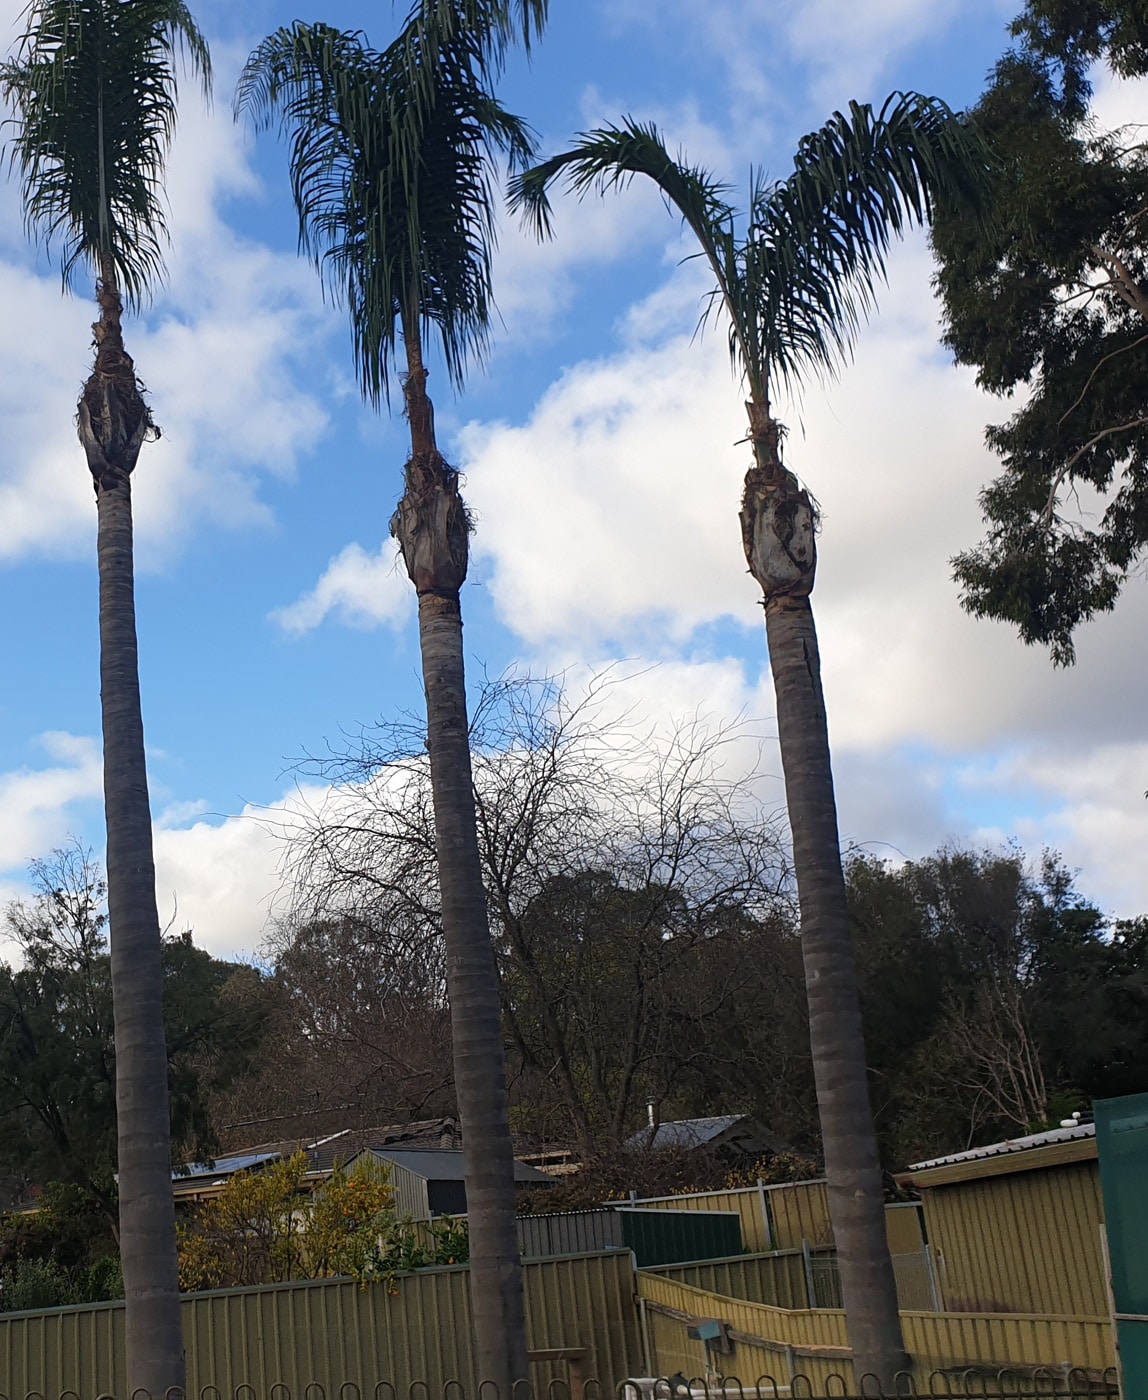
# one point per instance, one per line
(650, 1112)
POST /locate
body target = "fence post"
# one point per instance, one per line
(766, 1220)
(810, 1287)
(927, 1250)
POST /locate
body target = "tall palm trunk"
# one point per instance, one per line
(778, 533)
(113, 422)
(432, 528)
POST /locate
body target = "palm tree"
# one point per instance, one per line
(94, 89)
(794, 284)
(392, 158)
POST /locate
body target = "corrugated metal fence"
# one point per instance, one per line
(334, 1333)
(772, 1341)
(788, 1215)
(801, 1278)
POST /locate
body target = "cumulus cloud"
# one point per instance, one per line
(226, 349)
(609, 525)
(221, 880)
(38, 805)
(614, 506)
(360, 589)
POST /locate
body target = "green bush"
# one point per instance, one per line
(36, 1283)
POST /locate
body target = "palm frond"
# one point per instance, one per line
(498, 23)
(797, 284)
(817, 242)
(392, 180)
(94, 88)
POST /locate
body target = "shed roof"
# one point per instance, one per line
(1054, 1148)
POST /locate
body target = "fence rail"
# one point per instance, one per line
(952, 1385)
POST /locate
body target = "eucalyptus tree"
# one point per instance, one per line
(794, 281)
(93, 86)
(1052, 296)
(393, 155)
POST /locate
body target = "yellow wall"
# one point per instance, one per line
(1025, 1242)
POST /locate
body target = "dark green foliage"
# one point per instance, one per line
(1074, 33)
(57, 1061)
(34, 1284)
(60, 1250)
(62, 1224)
(975, 968)
(93, 86)
(392, 161)
(797, 276)
(1049, 296)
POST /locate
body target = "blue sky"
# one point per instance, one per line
(598, 444)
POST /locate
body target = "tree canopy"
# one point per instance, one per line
(1049, 297)
(57, 1056)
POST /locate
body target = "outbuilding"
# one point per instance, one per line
(1016, 1226)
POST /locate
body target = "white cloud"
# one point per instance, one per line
(615, 505)
(39, 805)
(846, 48)
(221, 880)
(229, 352)
(360, 589)
(608, 521)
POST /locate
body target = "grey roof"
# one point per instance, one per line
(224, 1166)
(1020, 1144)
(686, 1132)
(446, 1166)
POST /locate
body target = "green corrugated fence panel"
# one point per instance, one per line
(678, 1236)
(1132, 1340)
(335, 1332)
(1122, 1145)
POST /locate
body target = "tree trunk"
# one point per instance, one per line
(113, 422)
(432, 528)
(778, 529)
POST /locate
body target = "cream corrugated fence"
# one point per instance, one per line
(777, 1342)
(335, 1333)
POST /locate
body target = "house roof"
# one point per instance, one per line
(322, 1152)
(686, 1132)
(430, 1149)
(445, 1166)
(1054, 1148)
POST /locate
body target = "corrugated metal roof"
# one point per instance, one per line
(224, 1166)
(446, 1166)
(686, 1132)
(1019, 1144)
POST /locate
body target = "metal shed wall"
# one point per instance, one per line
(335, 1332)
(410, 1190)
(1028, 1242)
